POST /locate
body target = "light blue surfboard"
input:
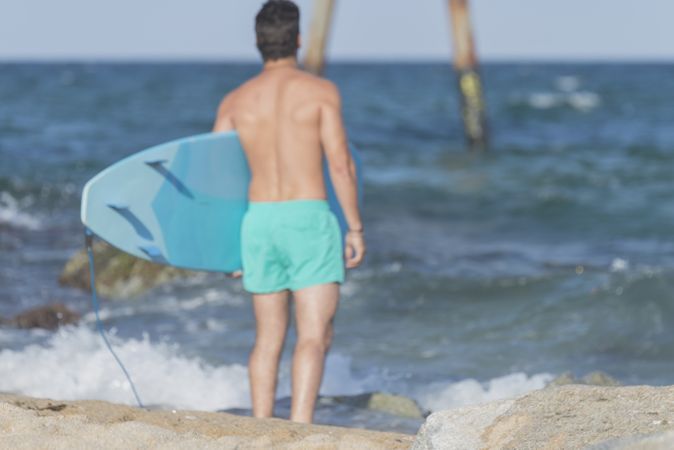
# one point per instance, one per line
(180, 203)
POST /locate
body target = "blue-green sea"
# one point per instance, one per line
(487, 275)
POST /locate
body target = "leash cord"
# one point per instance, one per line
(88, 238)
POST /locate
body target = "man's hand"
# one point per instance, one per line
(354, 249)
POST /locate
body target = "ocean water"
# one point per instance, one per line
(486, 275)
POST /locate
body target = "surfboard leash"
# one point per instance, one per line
(88, 241)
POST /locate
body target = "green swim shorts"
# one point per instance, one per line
(290, 245)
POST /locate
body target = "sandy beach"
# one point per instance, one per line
(29, 423)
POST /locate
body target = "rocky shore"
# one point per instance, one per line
(118, 274)
(558, 417)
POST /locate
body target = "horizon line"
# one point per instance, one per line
(339, 60)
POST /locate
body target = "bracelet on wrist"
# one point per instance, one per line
(360, 230)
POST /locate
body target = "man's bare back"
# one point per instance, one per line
(281, 116)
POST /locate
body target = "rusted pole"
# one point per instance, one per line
(318, 38)
(466, 67)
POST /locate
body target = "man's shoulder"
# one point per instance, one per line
(235, 95)
(242, 88)
(319, 82)
(318, 85)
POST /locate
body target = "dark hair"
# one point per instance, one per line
(277, 26)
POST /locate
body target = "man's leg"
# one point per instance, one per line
(315, 308)
(271, 318)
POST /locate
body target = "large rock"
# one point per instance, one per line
(49, 317)
(596, 378)
(39, 423)
(396, 405)
(563, 417)
(118, 274)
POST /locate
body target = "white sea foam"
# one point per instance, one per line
(567, 83)
(567, 94)
(74, 364)
(619, 265)
(437, 396)
(581, 100)
(545, 100)
(12, 214)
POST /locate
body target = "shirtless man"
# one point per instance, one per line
(287, 121)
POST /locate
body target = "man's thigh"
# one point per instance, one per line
(271, 314)
(315, 308)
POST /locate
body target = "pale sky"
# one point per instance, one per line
(363, 29)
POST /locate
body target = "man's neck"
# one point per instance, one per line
(290, 62)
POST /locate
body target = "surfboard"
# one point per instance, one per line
(180, 203)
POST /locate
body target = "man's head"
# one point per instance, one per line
(278, 27)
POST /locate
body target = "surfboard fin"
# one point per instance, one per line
(158, 165)
(153, 253)
(138, 226)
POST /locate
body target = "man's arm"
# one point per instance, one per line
(224, 120)
(342, 173)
